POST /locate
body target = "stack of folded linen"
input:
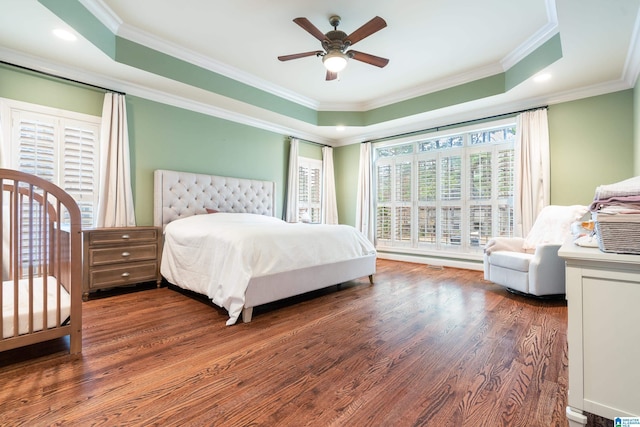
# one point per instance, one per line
(617, 213)
(620, 198)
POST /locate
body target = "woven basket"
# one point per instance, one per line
(619, 233)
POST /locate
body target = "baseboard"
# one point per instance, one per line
(433, 261)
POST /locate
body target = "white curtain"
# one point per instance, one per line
(291, 214)
(2, 157)
(364, 205)
(115, 203)
(532, 169)
(329, 204)
(5, 224)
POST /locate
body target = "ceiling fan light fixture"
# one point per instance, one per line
(335, 61)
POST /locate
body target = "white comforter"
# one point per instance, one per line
(217, 254)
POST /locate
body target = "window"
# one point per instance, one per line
(449, 192)
(57, 145)
(309, 190)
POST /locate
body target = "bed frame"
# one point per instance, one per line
(181, 194)
(41, 260)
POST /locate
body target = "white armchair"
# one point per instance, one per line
(531, 265)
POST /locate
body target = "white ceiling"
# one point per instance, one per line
(431, 45)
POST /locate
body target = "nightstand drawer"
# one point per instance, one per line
(132, 236)
(122, 254)
(104, 277)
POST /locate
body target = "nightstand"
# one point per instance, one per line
(120, 256)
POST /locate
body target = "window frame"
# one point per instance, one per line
(13, 113)
(423, 241)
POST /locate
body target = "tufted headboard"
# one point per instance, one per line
(182, 194)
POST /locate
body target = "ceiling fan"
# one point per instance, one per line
(335, 44)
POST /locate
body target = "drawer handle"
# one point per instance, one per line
(125, 236)
(125, 254)
(125, 274)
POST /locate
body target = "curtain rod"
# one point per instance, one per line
(61, 77)
(464, 122)
(309, 142)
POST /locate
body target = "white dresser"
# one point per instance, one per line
(603, 296)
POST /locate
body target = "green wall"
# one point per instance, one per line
(309, 150)
(166, 137)
(37, 88)
(346, 165)
(593, 142)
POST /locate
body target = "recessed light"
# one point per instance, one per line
(340, 128)
(64, 34)
(542, 77)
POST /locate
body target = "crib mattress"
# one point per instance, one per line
(38, 306)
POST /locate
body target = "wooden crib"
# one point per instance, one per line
(41, 260)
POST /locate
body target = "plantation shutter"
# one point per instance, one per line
(505, 189)
(315, 184)
(480, 175)
(451, 191)
(79, 169)
(451, 219)
(451, 178)
(61, 150)
(309, 189)
(403, 201)
(480, 193)
(427, 180)
(427, 194)
(446, 192)
(36, 155)
(383, 201)
(36, 151)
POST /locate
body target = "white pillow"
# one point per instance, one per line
(553, 225)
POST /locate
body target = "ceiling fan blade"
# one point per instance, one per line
(375, 24)
(331, 75)
(310, 28)
(368, 58)
(299, 55)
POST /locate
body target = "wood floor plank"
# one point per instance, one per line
(420, 347)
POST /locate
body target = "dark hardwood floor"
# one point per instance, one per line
(421, 347)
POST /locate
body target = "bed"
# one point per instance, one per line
(187, 204)
(41, 260)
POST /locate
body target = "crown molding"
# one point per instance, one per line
(441, 118)
(427, 88)
(211, 110)
(367, 133)
(540, 37)
(631, 68)
(180, 52)
(587, 91)
(103, 13)
(92, 78)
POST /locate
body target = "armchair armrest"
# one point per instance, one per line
(513, 244)
(547, 251)
(546, 270)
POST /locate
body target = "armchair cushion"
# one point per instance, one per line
(512, 260)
